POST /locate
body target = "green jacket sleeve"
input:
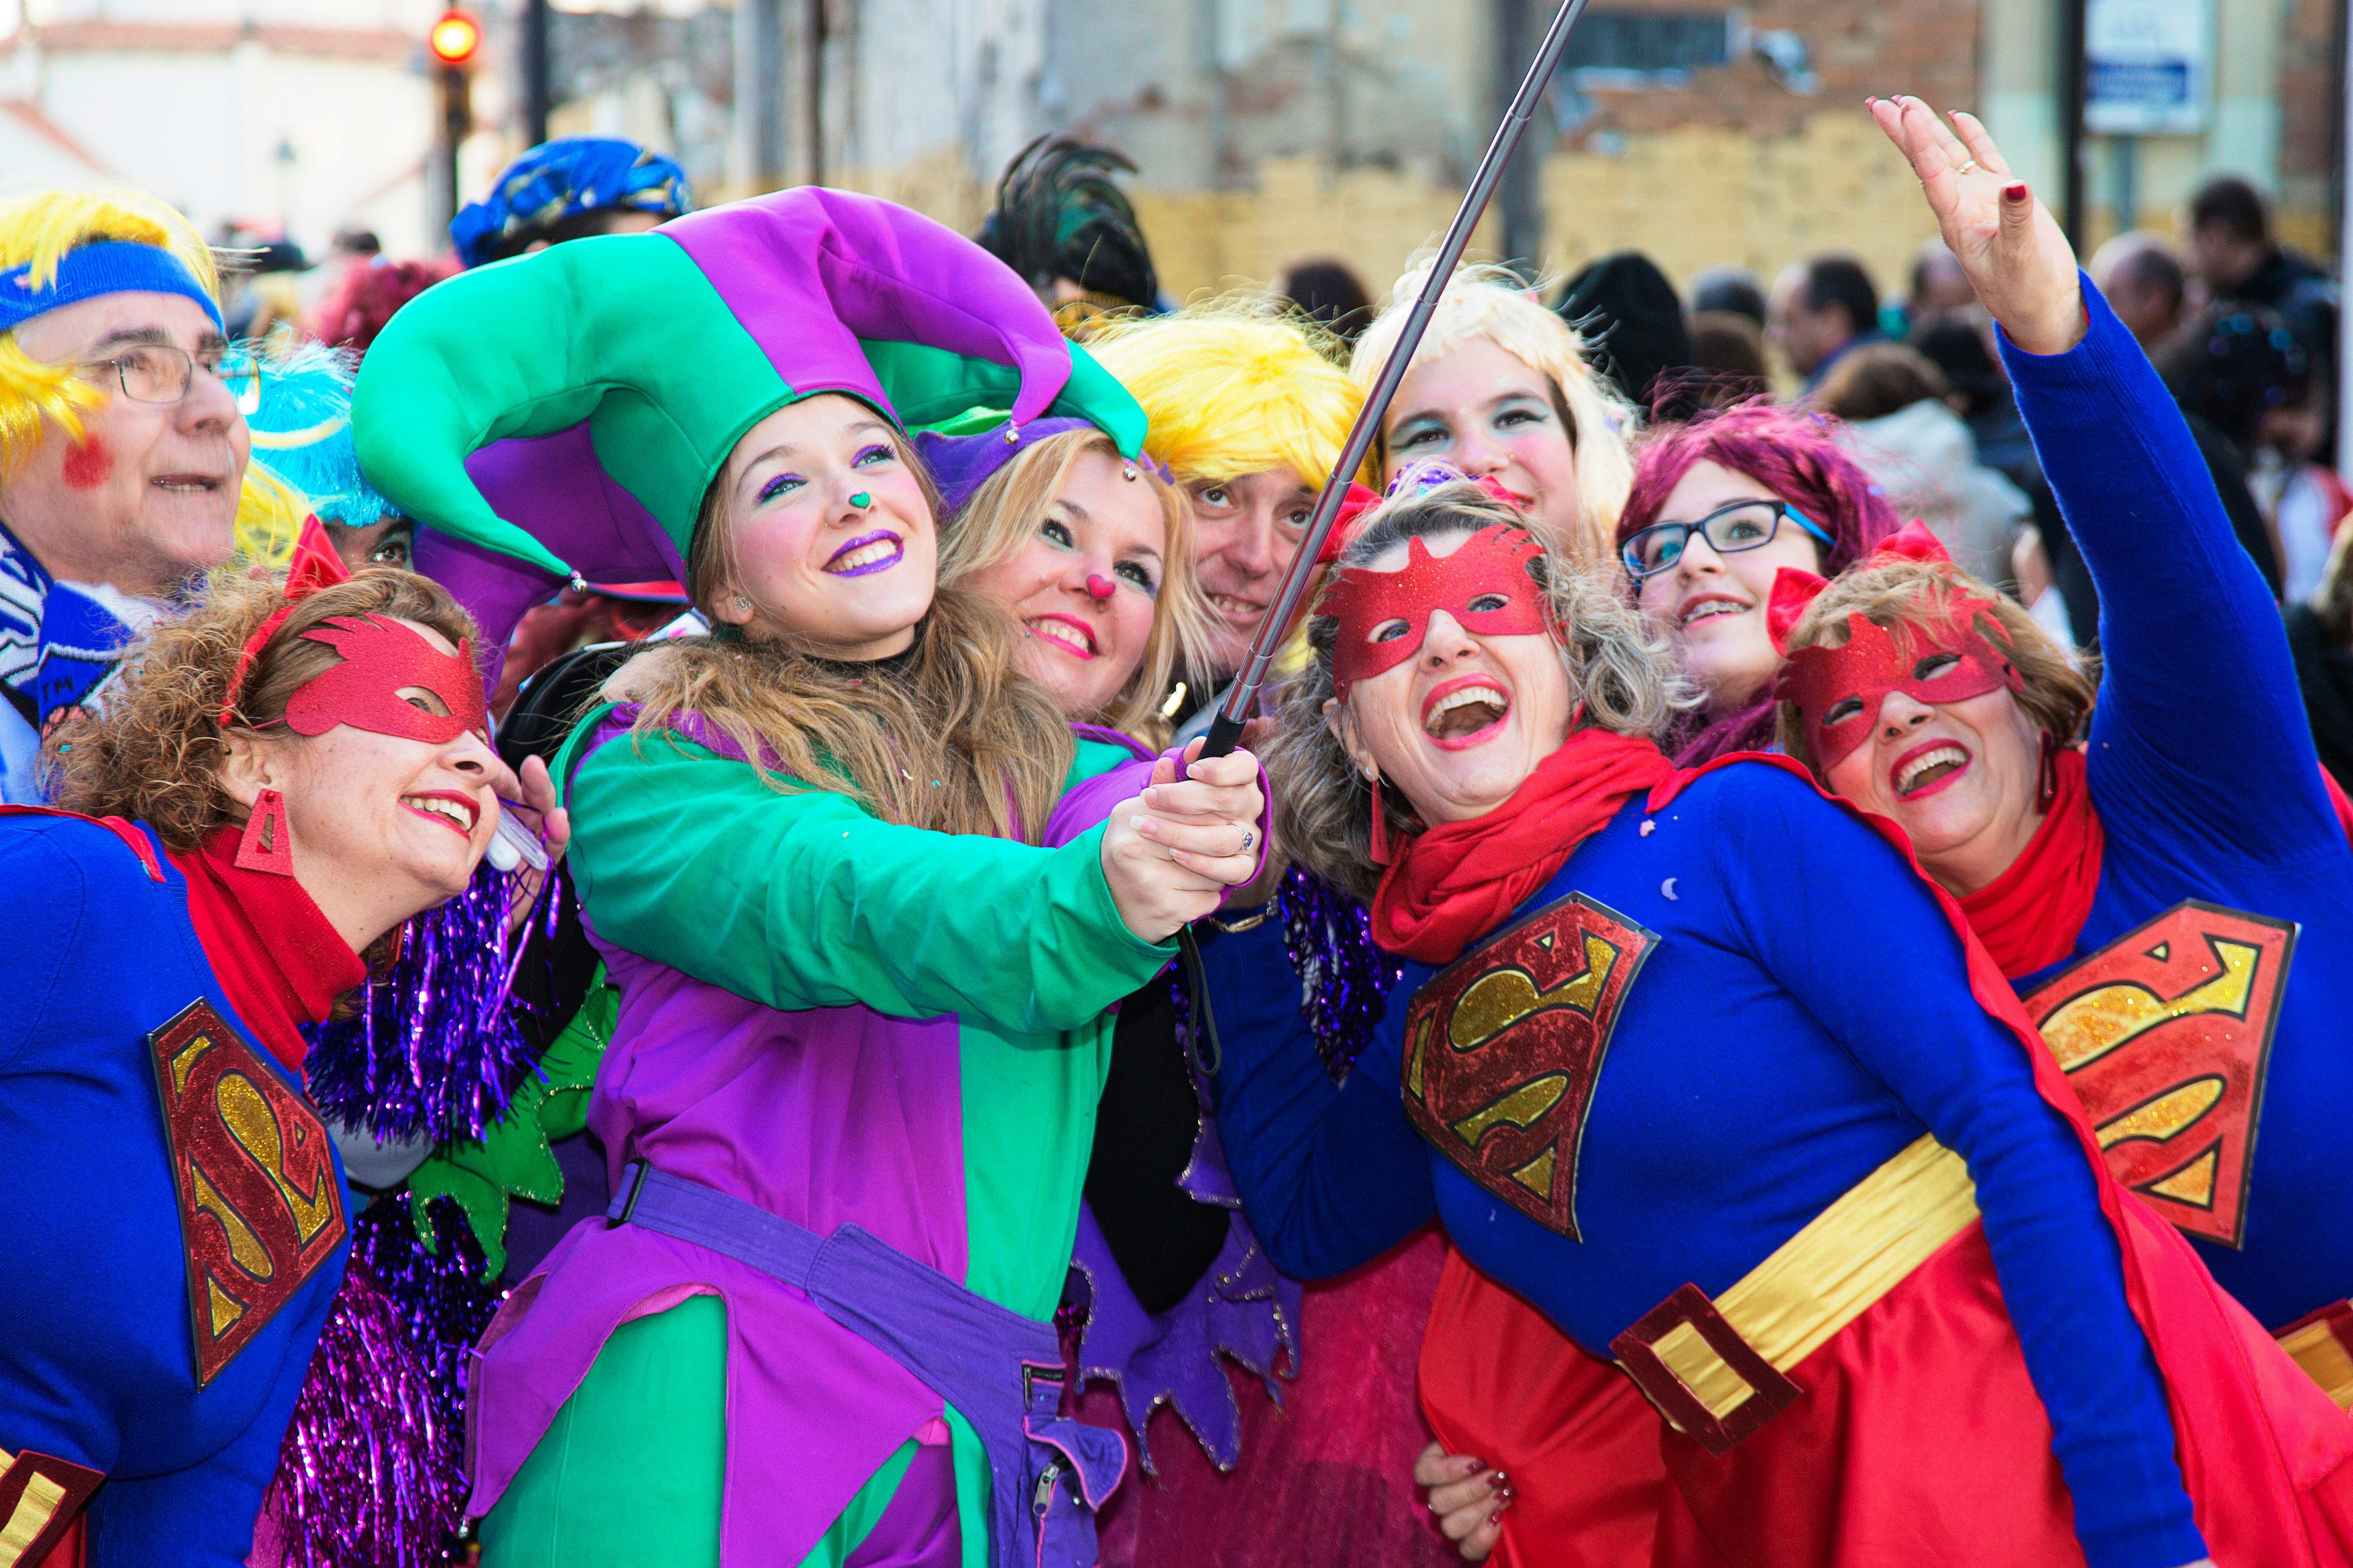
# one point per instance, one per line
(803, 900)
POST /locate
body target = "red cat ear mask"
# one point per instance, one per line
(381, 658)
(1838, 690)
(1489, 570)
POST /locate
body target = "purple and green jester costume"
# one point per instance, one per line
(848, 1106)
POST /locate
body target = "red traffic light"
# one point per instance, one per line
(454, 38)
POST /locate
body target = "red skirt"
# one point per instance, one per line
(1918, 1437)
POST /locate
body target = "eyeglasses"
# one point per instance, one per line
(1741, 525)
(156, 373)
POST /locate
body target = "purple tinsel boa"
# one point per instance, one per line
(436, 1050)
(369, 1475)
(1345, 975)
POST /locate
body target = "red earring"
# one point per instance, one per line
(264, 846)
(1380, 826)
(2047, 779)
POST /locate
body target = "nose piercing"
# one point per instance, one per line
(1101, 587)
(861, 500)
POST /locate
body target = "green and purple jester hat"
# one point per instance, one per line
(559, 417)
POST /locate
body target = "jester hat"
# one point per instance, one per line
(561, 414)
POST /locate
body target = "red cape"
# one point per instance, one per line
(2263, 1452)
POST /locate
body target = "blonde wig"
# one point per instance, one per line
(1919, 595)
(1233, 387)
(955, 739)
(1006, 512)
(1622, 677)
(1489, 304)
(39, 229)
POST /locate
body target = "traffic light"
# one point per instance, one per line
(454, 38)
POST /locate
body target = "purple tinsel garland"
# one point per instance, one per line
(443, 1300)
(1346, 977)
(434, 1050)
(370, 1474)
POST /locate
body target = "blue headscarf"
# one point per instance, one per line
(570, 174)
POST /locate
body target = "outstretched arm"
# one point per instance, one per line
(2198, 710)
(1330, 1174)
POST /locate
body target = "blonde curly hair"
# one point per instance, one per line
(1920, 594)
(1621, 675)
(155, 755)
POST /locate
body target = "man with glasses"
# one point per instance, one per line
(122, 455)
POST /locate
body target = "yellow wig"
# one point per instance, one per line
(1232, 389)
(40, 228)
(1490, 303)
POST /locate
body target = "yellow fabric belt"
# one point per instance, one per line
(2321, 1348)
(1823, 1278)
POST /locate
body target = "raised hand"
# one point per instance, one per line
(2020, 264)
(1170, 854)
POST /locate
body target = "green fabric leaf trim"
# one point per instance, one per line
(513, 1158)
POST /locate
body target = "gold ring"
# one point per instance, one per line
(1967, 167)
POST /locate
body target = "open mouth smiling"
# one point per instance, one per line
(1923, 770)
(1072, 636)
(869, 552)
(1708, 606)
(1464, 711)
(187, 484)
(459, 812)
(1241, 612)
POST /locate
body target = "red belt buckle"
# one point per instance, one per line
(1770, 1392)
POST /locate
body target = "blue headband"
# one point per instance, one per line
(110, 267)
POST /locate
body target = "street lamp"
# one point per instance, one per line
(454, 39)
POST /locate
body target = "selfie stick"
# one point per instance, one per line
(1226, 729)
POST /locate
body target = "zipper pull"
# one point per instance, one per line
(1044, 1498)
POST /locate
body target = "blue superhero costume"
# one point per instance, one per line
(173, 1210)
(2201, 767)
(1753, 1073)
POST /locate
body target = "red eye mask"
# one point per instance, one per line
(381, 656)
(1493, 561)
(1828, 682)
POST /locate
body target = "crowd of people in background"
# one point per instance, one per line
(861, 590)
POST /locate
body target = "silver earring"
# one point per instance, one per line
(743, 604)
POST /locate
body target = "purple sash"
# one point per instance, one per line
(1002, 1372)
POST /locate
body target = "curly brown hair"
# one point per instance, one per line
(155, 754)
(1919, 595)
(1621, 673)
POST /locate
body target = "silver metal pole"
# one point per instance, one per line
(1228, 727)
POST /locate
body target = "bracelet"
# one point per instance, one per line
(1247, 922)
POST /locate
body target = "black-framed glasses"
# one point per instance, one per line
(156, 373)
(1737, 525)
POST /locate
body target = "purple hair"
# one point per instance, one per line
(1796, 456)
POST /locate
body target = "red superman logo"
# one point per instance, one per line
(1503, 1045)
(2166, 1033)
(261, 1209)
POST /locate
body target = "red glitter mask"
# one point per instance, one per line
(1838, 690)
(382, 657)
(1491, 565)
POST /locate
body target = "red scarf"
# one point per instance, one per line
(2030, 916)
(1456, 882)
(279, 961)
